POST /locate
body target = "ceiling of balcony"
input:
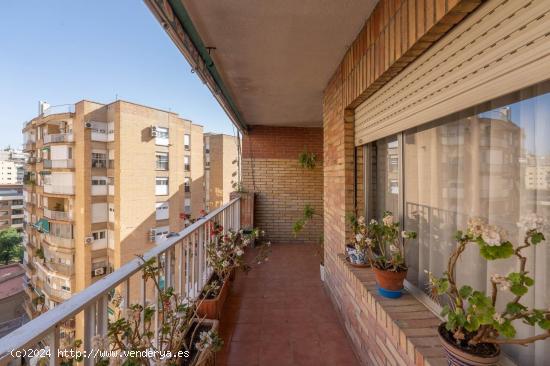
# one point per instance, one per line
(276, 57)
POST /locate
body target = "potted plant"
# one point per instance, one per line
(356, 252)
(40, 254)
(475, 328)
(184, 337)
(386, 253)
(307, 215)
(225, 254)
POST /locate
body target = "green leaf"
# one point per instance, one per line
(518, 290)
(528, 281)
(472, 325)
(506, 329)
(465, 291)
(502, 251)
(514, 308)
(537, 238)
(544, 324)
(445, 311)
(442, 285)
(514, 277)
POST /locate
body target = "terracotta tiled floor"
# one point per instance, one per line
(279, 314)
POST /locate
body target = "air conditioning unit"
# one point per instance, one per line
(89, 239)
(153, 131)
(88, 125)
(99, 271)
(152, 235)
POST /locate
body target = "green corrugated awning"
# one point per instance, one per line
(42, 225)
(46, 148)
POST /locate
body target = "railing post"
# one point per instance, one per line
(168, 269)
(238, 204)
(156, 299)
(200, 243)
(89, 332)
(102, 315)
(54, 347)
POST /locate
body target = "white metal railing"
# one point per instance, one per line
(185, 269)
(58, 215)
(60, 163)
(58, 137)
(58, 109)
(58, 189)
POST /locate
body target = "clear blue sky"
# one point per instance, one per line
(63, 51)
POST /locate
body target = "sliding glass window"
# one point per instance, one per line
(491, 161)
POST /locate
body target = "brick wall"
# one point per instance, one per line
(383, 332)
(270, 168)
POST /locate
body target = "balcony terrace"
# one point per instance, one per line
(329, 110)
(58, 215)
(58, 164)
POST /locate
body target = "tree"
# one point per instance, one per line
(10, 245)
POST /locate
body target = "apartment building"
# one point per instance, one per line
(220, 168)
(11, 207)
(12, 166)
(103, 184)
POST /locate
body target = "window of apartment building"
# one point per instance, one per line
(17, 212)
(98, 181)
(162, 137)
(98, 235)
(99, 160)
(187, 184)
(162, 161)
(207, 161)
(60, 230)
(187, 205)
(16, 202)
(187, 163)
(477, 163)
(187, 141)
(162, 211)
(161, 187)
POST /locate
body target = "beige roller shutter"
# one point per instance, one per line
(502, 47)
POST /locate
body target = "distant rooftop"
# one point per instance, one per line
(11, 279)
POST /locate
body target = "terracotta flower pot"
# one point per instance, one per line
(459, 357)
(212, 308)
(390, 283)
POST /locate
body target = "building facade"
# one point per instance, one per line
(12, 166)
(11, 207)
(12, 295)
(221, 168)
(103, 184)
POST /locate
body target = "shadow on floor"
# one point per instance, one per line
(279, 314)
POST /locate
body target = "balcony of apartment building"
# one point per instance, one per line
(54, 286)
(57, 129)
(57, 208)
(57, 183)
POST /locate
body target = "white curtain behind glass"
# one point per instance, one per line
(495, 165)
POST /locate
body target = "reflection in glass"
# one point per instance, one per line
(493, 162)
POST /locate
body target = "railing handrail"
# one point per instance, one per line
(40, 327)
